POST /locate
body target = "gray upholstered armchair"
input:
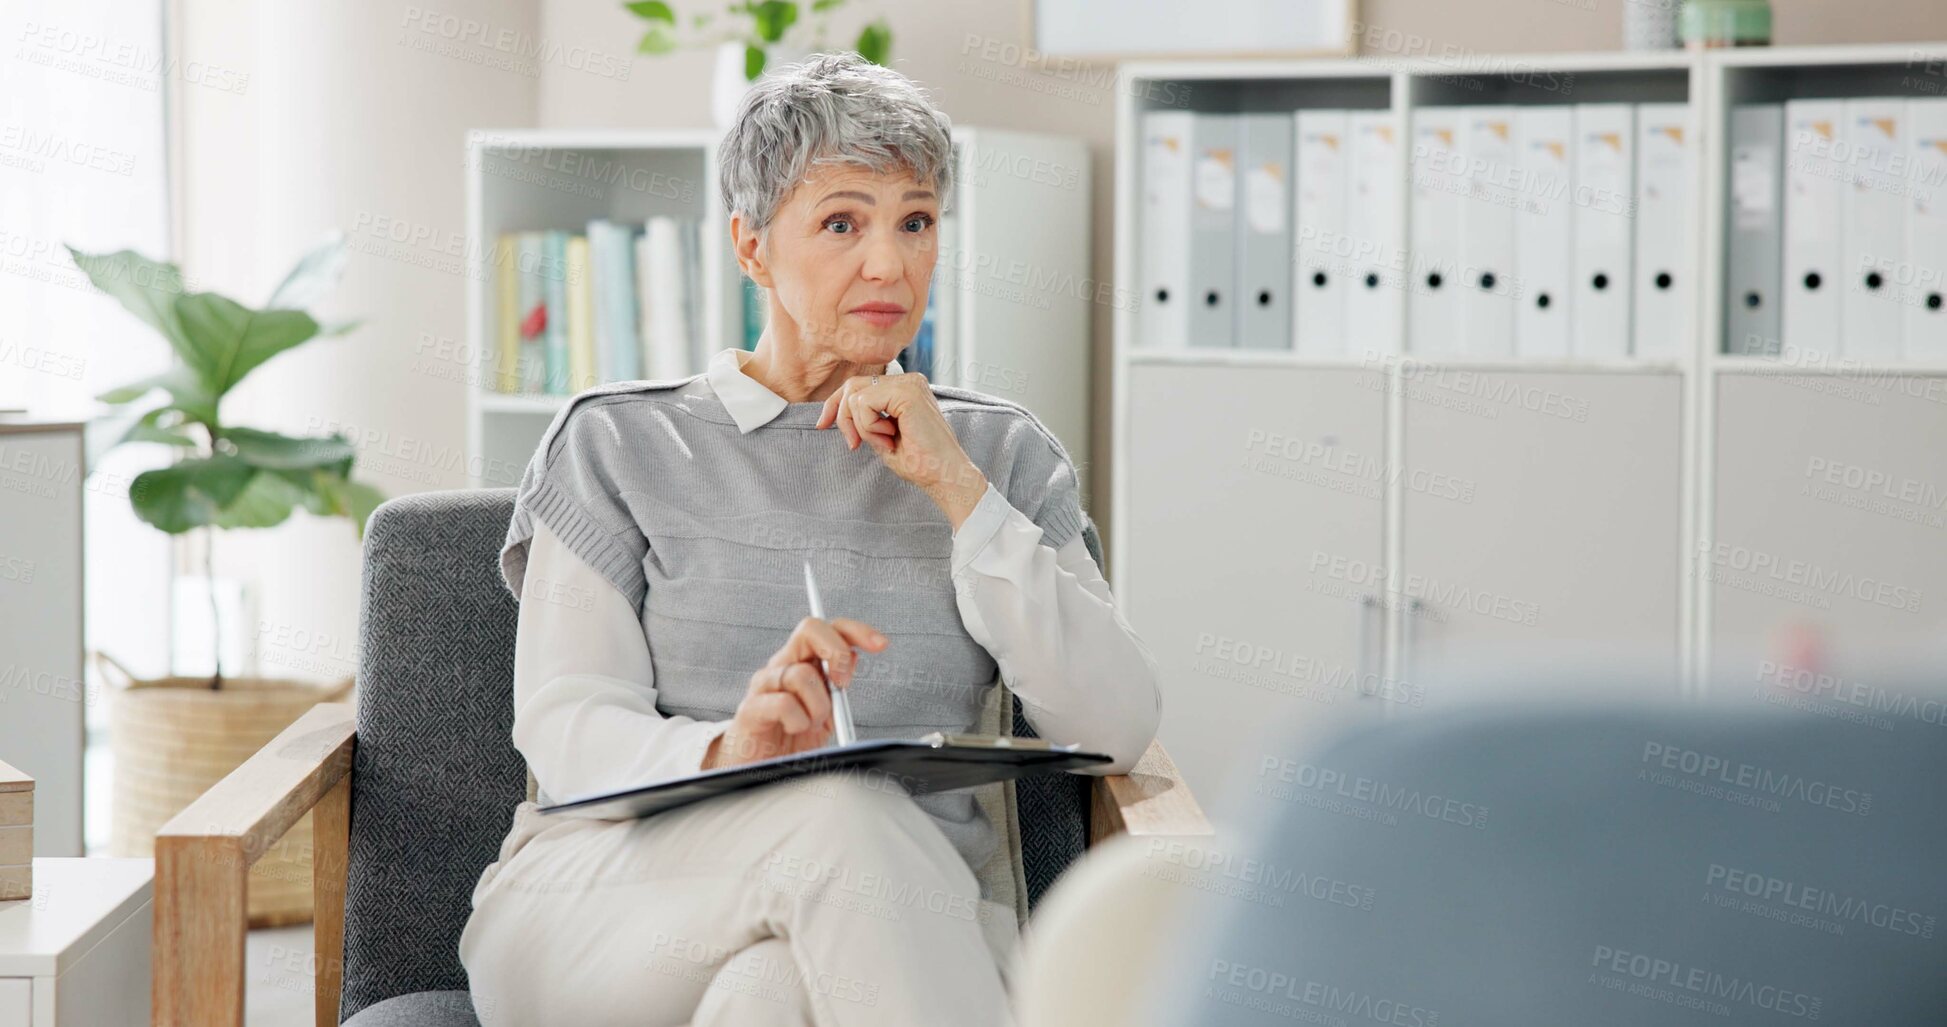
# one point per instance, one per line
(412, 794)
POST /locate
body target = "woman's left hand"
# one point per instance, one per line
(914, 440)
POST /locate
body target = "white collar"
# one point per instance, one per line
(750, 404)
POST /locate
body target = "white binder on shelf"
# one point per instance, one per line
(1875, 230)
(1926, 230)
(1663, 273)
(1213, 227)
(1604, 226)
(1755, 240)
(1544, 229)
(1373, 317)
(1487, 279)
(1815, 191)
(1164, 233)
(1437, 166)
(1322, 277)
(1263, 231)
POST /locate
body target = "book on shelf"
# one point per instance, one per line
(618, 348)
(530, 257)
(507, 343)
(554, 280)
(617, 302)
(660, 258)
(757, 312)
(581, 316)
(918, 354)
(931, 352)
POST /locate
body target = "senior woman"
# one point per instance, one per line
(657, 547)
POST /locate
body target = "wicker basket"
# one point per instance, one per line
(174, 737)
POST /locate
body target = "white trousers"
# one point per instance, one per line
(824, 901)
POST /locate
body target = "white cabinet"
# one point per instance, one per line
(16, 1002)
(1542, 517)
(43, 700)
(1646, 522)
(80, 948)
(1827, 544)
(1254, 540)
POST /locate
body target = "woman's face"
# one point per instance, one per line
(849, 257)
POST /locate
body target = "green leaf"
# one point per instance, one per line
(352, 499)
(309, 485)
(189, 493)
(656, 41)
(180, 382)
(821, 6)
(146, 288)
(226, 340)
(875, 42)
(653, 10)
(315, 275)
(772, 18)
(151, 429)
(136, 389)
(265, 503)
(272, 451)
(185, 390)
(753, 62)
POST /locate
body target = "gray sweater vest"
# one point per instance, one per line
(705, 530)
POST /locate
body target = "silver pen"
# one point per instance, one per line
(841, 706)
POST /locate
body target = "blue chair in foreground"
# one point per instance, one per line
(1596, 863)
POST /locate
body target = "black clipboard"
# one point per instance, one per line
(937, 762)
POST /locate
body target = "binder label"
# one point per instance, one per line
(1264, 199)
(1216, 184)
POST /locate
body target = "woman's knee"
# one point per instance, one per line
(759, 986)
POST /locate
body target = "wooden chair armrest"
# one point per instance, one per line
(1151, 800)
(203, 856)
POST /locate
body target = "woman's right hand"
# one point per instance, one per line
(786, 710)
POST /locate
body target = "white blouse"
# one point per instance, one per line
(585, 712)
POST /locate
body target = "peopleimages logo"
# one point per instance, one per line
(1866, 697)
(1333, 783)
(1821, 901)
(1703, 985)
(1800, 577)
(1290, 995)
(1706, 768)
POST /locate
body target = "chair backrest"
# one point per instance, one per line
(436, 777)
(1605, 864)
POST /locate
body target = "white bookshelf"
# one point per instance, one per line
(1607, 534)
(527, 180)
(1012, 283)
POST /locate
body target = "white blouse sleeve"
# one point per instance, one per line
(584, 690)
(1049, 621)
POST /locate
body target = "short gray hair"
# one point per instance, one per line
(833, 108)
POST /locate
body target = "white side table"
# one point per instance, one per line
(76, 954)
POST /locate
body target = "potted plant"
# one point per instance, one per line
(173, 737)
(750, 37)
